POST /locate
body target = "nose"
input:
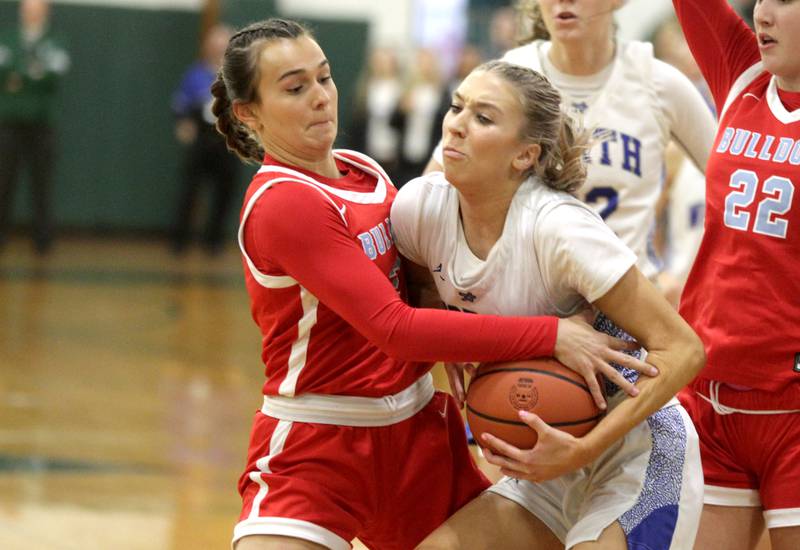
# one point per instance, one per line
(321, 97)
(453, 123)
(762, 13)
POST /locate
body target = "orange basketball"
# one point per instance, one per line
(557, 394)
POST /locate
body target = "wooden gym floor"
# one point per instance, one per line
(128, 379)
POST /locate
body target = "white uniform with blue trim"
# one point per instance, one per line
(554, 256)
(636, 106)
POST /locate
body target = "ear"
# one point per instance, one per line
(527, 157)
(245, 114)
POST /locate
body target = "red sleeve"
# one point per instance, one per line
(721, 42)
(293, 230)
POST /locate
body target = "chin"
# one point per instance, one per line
(449, 174)
(454, 178)
(779, 68)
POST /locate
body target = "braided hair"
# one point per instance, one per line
(237, 80)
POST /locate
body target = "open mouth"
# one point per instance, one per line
(766, 40)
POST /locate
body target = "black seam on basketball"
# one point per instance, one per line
(519, 423)
(548, 373)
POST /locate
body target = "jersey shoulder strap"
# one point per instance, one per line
(742, 82)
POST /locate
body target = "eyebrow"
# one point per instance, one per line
(293, 72)
(482, 104)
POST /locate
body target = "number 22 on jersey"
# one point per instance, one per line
(770, 217)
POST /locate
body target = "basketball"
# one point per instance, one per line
(559, 395)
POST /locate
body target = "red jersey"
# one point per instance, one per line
(324, 280)
(743, 293)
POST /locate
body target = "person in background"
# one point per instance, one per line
(207, 159)
(32, 63)
(681, 208)
(377, 100)
(419, 114)
(469, 58)
(743, 292)
(502, 32)
(745, 10)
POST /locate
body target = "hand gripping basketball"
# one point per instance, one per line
(556, 453)
(500, 391)
(589, 353)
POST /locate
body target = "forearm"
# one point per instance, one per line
(436, 335)
(314, 248)
(673, 348)
(677, 366)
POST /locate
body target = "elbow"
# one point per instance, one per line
(396, 348)
(403, 353)
(393, 351)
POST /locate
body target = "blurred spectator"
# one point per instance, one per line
(377, 100)
(502, 32)
(207, 158)
(469, 58)
(745, 9)
(670, 45)
(681, 208)
(32, 62)
(419, 116)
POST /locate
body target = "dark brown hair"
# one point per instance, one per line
(237, 80)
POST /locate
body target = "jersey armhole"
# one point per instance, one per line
(265, 280)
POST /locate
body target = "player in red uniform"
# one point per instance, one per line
(352, 440)
(743, 293)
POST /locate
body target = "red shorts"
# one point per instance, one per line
(390, 486)
(749, 460)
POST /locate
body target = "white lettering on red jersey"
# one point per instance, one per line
(743, 293)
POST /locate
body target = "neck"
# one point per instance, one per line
(324, 165)
(788, 84)
(582, 58)
(483, 214)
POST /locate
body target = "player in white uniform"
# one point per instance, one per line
(503, 234)
(634, 104)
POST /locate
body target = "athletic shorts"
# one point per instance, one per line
(650, 482)
(749, 460)
(390, 485)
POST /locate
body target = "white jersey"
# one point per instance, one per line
(554, 256)
(636, 105)
(685, 214)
